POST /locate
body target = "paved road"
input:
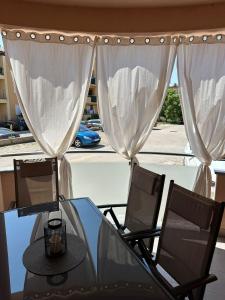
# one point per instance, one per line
(164, 138)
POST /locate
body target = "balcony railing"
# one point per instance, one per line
(93, 98)
(3, 95)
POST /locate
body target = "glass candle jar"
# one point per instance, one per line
(55, 237)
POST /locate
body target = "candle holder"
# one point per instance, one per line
(55, 237)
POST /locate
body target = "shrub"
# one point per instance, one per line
(171, 110)
(95, 116)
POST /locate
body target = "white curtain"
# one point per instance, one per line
(132, 84)
(52, 81)
(201, 71)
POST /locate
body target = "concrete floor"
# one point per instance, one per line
(216, 290)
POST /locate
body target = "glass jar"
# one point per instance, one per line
(55, 237)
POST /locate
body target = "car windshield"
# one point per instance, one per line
(83, 128)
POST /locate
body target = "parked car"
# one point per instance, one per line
(83, 123)
(6, 133)
(17, 125)
(95, 124)
(9, 124)
(21, 123)
(86, 137)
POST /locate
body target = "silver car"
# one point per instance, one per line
(95, 124)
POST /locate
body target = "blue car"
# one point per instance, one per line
(86, 137)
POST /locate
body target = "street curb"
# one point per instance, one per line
(17, 140)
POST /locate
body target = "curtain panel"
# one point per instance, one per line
(132, 81)
(201, 72)
(52, 74)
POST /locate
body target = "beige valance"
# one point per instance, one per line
(49, 37)
(145, 39)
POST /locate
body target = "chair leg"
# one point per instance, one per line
(145, 252)
(190, 296)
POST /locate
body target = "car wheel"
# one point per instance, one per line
(77, 143)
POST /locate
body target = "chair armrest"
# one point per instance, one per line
(140, 235)
(117, 223)
(112, 205)
(12, 205)
(185, 289)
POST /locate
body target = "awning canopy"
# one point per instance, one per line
(115, 16)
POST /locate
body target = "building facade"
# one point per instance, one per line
(91, 108)
(8, 99)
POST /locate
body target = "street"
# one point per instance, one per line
(163, 138)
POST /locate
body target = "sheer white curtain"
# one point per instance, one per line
(201, 71)
(132, 84)
(52, 80)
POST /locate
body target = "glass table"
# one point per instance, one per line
(110, 269)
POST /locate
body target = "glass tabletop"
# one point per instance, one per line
(110, 268)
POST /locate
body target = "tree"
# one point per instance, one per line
(171, 110)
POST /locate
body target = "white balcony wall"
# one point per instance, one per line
(107, 182)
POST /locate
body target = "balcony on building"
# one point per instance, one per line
(93, 81)
(1, 73)
(93, 98)
(3, 98)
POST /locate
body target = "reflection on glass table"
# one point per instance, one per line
(109, 270)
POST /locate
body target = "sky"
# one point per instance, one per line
(173, 79)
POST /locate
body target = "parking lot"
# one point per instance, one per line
(164, 138)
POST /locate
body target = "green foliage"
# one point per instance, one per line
(171, 110)
(95, 116)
